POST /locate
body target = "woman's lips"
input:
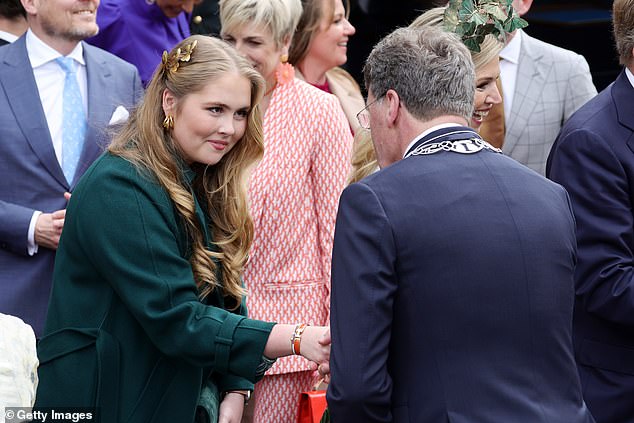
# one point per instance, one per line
(218, 145)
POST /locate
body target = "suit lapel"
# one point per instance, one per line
(18, 81)
(98, 74)
(623, 97)
(528, 88)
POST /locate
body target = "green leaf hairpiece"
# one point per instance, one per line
(473, 20)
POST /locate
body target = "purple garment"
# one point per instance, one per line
(138, 32)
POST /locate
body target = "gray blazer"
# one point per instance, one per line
(30, 175)
(552, 83)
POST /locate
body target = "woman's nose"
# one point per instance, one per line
(350, 29)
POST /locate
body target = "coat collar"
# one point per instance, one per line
(623, 97)
(452, 133)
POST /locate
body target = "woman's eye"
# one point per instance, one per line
(242, 114)
(483, 85)
(215, 109)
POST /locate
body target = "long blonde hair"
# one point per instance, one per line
(363, 160)
(222, 187)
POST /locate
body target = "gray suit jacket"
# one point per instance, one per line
(552, 83)
(30, 175)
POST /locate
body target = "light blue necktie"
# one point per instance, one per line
(73, 119)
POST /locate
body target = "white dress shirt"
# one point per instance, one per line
(510, 56)
(49, 77)
(7, 36)
(630, 76)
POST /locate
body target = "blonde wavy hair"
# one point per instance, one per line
(221, 187)
(364, 162)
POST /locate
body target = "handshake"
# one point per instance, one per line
(314, 344)
(311, 342)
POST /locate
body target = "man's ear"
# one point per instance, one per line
(393, 106)
(30, 6)
(169, 102)
(522, 6)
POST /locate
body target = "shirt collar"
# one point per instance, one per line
(511, 51)
(630, 76)
(425, 133)
(7, 36)
(41, 53)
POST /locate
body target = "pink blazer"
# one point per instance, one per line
(294, 193)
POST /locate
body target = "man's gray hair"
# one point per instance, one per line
(430, 69)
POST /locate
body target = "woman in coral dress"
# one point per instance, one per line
(294, 192)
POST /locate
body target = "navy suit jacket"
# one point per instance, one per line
(452, 295)
(593, 157)
(30, 175)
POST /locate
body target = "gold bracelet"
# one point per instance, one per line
(296, 339)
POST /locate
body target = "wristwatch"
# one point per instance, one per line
(245, 393)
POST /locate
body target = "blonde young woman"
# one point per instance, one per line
(294, 191)
(320, 46)
(147, 306)
(487, 66)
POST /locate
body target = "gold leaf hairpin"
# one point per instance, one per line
(171, 62)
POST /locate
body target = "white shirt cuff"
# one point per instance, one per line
(31, 245)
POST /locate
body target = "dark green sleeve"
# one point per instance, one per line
(131, 236)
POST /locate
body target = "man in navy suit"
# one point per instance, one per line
(593, 158)
(452, 273)
(33, 187)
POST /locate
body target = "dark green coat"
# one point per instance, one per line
(125, 329)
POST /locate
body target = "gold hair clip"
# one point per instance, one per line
(171, 62)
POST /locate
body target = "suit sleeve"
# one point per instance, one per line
(139, 256)
(330, 168)
(600, 193)
(364, 284)
(580, 88)
(14, 227)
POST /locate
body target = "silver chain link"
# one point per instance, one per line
(467, 146)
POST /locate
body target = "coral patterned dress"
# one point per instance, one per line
(294, 193)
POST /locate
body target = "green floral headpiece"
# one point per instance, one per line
(473, 20)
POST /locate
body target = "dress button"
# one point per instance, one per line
(197, 19)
